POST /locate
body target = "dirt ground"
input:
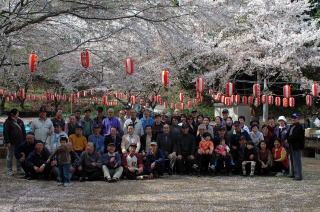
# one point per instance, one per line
(174, 193)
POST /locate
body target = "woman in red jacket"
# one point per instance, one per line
(280, 159)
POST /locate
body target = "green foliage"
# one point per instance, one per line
(11, 105)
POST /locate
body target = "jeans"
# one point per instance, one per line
(10, 155)
(112, 173)
(296, 163)
(64, 172)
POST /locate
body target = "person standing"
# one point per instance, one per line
(133, 120)
(71, 126)
(146, 120)
(100, 117)
(14, 133)
(42, 127)
(77, 115)
(295, 140)
(87, 123)
(58, 119)
(109, 122)
(122, 120)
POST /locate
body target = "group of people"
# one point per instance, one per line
(140, 144)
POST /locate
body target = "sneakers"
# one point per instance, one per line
(212, 167)
(60, 184)
(279, 174)
(108, 180)
(244, 173)
(10, 173)
(232, 163)
(251, 174)
(67, 184)
(139, 177)
(82, 179)
(195, 166)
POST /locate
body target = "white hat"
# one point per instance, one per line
(282, 118)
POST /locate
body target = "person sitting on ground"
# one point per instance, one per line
(223, 157)
(37, 162)
(79, 142)
(154, 166)
(97, 139)
(111, 164)
(186, 149)
(63, 162)
(280, 159)
(130, 138)
(113, 138)
(132, 163)
(255, 135)
(205, 153)
(53, 142)
(250, 158)
(90, 164)
(168, 145)
(264, 159)
(22, 152)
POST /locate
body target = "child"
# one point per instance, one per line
(224, 159)
(250, 157)
(111, 164)
(132, 163)
(63, 160)
(205, 152)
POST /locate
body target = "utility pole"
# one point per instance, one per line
(266, 105)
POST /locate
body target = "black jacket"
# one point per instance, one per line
(117, 142)
(168, 146)
(35, 159)
(14, 132)
(157, 129)
(296, 139)
(25, 148)
(186, 145)
(143, 142)
(248, 152)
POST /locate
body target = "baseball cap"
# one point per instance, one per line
(79, 127)
(295, 115)
(184, 126)
(111, 144)
(42, 109)
(153, 143)
(236, 123)
(225, 111)
(133, 144)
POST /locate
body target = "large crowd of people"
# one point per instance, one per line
(140, 144)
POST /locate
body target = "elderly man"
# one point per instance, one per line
(42, 127)
(58, 119)
(122, 120)
(146, 120)
(23, 150)
(37, 162)
(133, 120)
(113, 138)
(130, 138)
(14, 133)
(97, 139)
(90, 164)
(155, 159)
(109, 122)
(295, 141)
(112, 169)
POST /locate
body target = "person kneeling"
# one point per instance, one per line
(111, 164)
(132, 163)
(154, 166)
(250, 157)
(90, 164)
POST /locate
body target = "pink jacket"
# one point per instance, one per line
(221, 148)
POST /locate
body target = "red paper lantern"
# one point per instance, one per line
(278, 101)
(264, 99)
(270, 100)
(33, 62)
(92, 91)
(165, 104)
(165, 78)
(133, 100)
(189, 103)
(314, 90)
(232, 99)
(211, 92)
(244, 100)
(227, 101)
(195, 102)
(200, 85)
(229, 88)
(129, 66)
(285, 102)
(40, 98)
(159, 99)
(172, 106)
(85, 93)
(237, 99)
(250, 100)
(223, 99)
(105, 100)
(256, 90)
(72, 97)
(151, 98)
(177, 106)
(1, 91)
(287, 91)
(217, 97)
(181, 97)
(291, 102)
(309, 100)
(22, 93)
(85, 58)
(257, 101)
(182, 106)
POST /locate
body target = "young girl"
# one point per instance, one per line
(250, 157)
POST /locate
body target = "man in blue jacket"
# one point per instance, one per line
(154, 165)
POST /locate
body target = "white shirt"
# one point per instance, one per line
(138, 129)
(40, 128)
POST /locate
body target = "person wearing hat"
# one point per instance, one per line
(280, 131)
(97, 139)
(37, 164)
(225, 115)
(42, 127)
(111, 164)
(237, 133)
(79, 142)
(132, 163)
(130, 138)
(186, 150)
(87, 123)
(295, 141)
(23, 150)
(113, 138)
(53, 143)
(155, 160)
(221, 134)
(14, 134)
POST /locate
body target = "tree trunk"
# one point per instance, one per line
(2, 102)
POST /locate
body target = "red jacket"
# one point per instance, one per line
(280, 155)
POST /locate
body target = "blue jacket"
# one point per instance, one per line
(145, 122)
(107, 157)
(283, 135)
(98, 142)
(150, 158)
